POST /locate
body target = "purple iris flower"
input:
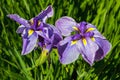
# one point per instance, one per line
(85, 40)
(36, 31)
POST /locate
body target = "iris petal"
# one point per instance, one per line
(104, 46)
(92, 28)
(68, 53)
(66, 40)
(29, 43)
(48, 12)
(20, 29)
(18, 19)
(65, 25)
(98, 34)
(88, 52)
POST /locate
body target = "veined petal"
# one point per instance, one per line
(98, 34)
(66, 40)
(48, 12)
(56, 31)
(56, 39)
(92, 28)
(104, 48)
(68, 53)
(29, 43)
(88, 51)
(18, 19)
(65, 25)
(40, 33)
(48, 31)
(82, 27)
(20, 29)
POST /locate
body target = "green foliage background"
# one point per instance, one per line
(105, 14)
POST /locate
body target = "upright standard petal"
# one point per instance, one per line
(29, 43)
(68, 53)
(104, 48)
(48, 12)
(65, 25)
(18, 19)
(88, 50)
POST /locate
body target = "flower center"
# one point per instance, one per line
(82, 35)
(35, 23)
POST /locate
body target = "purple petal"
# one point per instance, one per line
(40, 33)
(20, 29)
(29, 43)
(90, 26)
(18, 19)
(66, 40)
(65, 25)
(89, 34)
(104, 48)
(56, 39)
(25, 33)
(49, 48)
(82, 26)
(98, 34)
(95, 31)
(68, 53)
(56, 31)
(41, 42)
(48, 31)
(48, 12)
(88, 51)
(76, 37)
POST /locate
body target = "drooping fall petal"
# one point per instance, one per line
(29, 43)
(68, 52)
(88, 50)
(18, 19)
(104, 48)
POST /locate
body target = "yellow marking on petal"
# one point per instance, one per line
(39, 23)
(30, 32)
(84, 41)
(92, 38)
(75, 28)
(90, 29)
(73, 42)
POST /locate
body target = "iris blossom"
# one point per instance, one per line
(36, 31)
(86, 40)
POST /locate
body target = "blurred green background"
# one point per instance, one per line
(105, 14)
